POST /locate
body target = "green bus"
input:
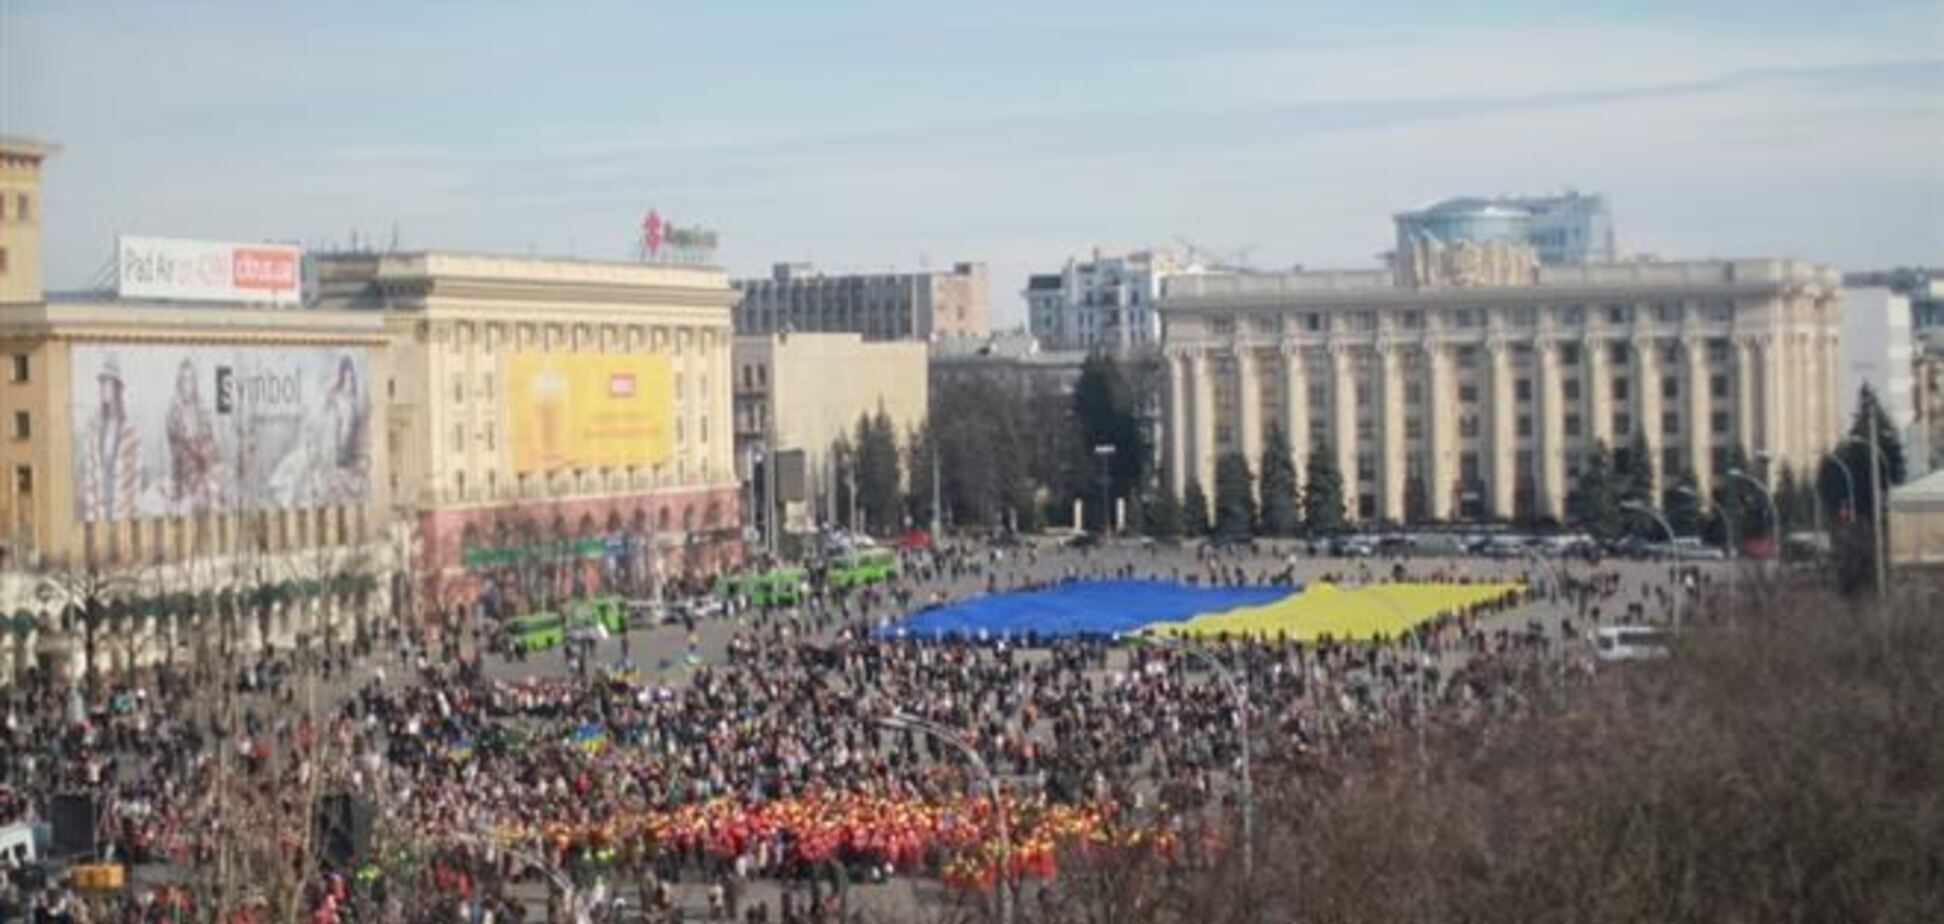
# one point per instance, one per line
(782, 586)
(535, 632)
(609, 612)
(863, 568)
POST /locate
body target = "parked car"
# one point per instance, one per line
(1630, 643)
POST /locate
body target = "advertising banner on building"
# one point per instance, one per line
(589, 410)
(209, 271)
(164, 430)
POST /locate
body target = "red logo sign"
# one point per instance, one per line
(651, 232)
(265, 269)
(621, 385)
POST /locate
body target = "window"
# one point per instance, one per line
(1619, 314)
(23, 480)
(1468, 466)
(1413, 392)
(20, 367)
(1363, 394)
(1366, 467)
(1522, 389)
(1525, 425)
(1571, 389)
(1622, 424)
(1569, 354)
(1718, 423)
(490, 438)
(1618, 353)
(458, 389)
(1718, 386)
(1470, 317)
(3, 261)
(459, 438)
(1468, 393)
(1667, 311)
(23, 208)
(23, 426)
(1468, 425)
(1467, 357)
(1670, 423)
(1573, 316)
(1413, 429)
(1620, 389)
(1670, 387)
(1670, 459)
(1525, 316)
(1410, 320)
(1572, 425)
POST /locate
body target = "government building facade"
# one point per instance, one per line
(1469, 382)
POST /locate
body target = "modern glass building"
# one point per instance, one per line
(1565, 229)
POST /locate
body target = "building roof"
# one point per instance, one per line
(19, 145)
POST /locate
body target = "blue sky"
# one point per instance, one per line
(866, 135)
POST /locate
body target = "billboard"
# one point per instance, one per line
(589, 410)
(167, 430)
(210, 271)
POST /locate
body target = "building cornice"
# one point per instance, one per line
(123, 322)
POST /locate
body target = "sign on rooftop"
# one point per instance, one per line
(208, 271)
(663, 241)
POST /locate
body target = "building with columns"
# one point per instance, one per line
(1469, 382)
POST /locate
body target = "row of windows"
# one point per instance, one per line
(1520, 316)
(23, 208)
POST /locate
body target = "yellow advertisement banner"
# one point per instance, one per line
(589, 410)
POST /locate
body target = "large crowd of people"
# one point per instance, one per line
(814, 743)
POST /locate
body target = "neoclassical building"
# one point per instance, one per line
(1469, 383)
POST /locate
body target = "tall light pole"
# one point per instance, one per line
(1105, 453)
(1879, 534)
(1239, 694)
(1655, 515)
(1001, 884)
(1849, 478)
(1775, 518)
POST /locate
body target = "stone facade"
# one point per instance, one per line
(928, 305)
(1489, 395)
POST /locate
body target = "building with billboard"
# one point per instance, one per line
(576, 407)
(926, 305)
(167, 461)
(801, 394)
(1471, 382)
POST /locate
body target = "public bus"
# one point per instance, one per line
(863, 568)
(782, 586)
(535, 632)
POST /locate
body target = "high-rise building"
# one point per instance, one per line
(1477, 390)
(1564, 229)
(1878, 352)
(927, 305)
(1104, 302)
(20, 222)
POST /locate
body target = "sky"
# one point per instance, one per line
(877, 135)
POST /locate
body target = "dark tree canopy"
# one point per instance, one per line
(1280, 515)
(1235, 508)
(1323, 512)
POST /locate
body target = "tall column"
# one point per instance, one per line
(1647, 377)
(1248, 398)
(1700, 423)
(1178, 422)
(1599, 392)
(1745, 386)
(1201, 381)
(1343, 423)
(1440, 396)
(1504, 436)
(1775, 430)
(1838, 405)
(1296, 407)
(1390, 371)
(1551, 456)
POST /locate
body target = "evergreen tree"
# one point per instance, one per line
(1323, 512)
(1235, 508)
(1681, 504)
(1856, 452)
(1417, 502)
(1635, 478)
(1740, 502)
(1194, 509)
(1595, 501)
(1161, 515)
(878, 481)
(1106, 412)
(1278, 487)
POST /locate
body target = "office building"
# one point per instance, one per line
(1878, 352)
(20, 221)
(927, 305)
(1105, 302)
(1470, 382)
(798, 395)
(1565, 229)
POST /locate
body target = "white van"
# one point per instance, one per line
(1630, 643)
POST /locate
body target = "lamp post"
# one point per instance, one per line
(905, 721)
(1775, 518)
(1105, 453)
(1879, 533)
(1239, 693)
(1849, 478)
(1655, 515)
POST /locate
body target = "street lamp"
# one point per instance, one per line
(1655, 515)
(904, 721)
(1849, 478)
(1105, 453)
(1239, 693)
(1879, 531)
(1775, 518)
